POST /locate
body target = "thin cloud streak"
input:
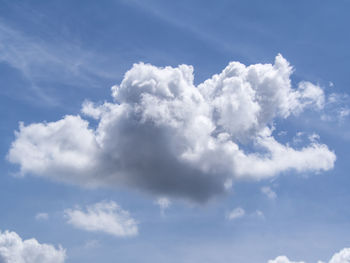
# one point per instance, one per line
(41, 62)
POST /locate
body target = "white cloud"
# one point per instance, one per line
(42, 216)
(342, 256)
(269, 192)
(15, 250)
(260, 214)
(236, 213)
(164, 135)
(107, 217)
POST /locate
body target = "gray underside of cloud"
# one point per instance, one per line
(166, 136)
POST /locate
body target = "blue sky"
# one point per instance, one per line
(56, 55)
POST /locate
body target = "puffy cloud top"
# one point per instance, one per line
(15, 250)
(164, 135)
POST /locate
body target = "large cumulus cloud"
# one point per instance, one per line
(15, 250)
(164, 135)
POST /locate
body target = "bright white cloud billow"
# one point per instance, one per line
(107, 217)
(342, 256)
(15, 250)
(164, 135)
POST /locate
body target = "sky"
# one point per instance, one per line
(174, 131)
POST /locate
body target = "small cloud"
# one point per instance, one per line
(42, 216)
(314, 137)
(299, 134)
(282, 133)
(283, 259)
(228, 184)
(107, 217)
(163, 203)
(344, 112)
(259, 214)
(90, 244)
(236, 213)
(266, 190)
(337, 107)
(298, 138)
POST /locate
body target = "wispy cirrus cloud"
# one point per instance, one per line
(42, 61)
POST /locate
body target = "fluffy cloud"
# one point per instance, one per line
(15, 250)
(166, 136)
(341, 257)
(105, 217)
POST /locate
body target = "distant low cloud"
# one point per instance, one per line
(236, 213)
(15, 250)
(337, 106)
(342, 256)
(163, 203)
(164, 135)
(107, 217)
(42, 216)
(266, 190)
(91, 244)
(283, 259)
(260, 214)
